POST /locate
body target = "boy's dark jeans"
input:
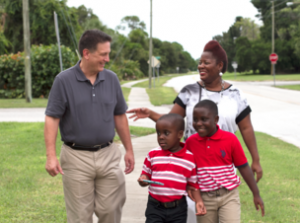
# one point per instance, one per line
(159, 214)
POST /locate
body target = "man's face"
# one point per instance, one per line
(99, 57)
(168, 136)
(204, 121)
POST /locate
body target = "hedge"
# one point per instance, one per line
(44, 67)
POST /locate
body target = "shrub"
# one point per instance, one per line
(44, 67)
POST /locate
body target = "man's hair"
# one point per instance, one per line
(175, 119)
(218, 52)
(210, 105)
(90, 39)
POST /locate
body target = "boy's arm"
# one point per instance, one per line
(200, 208)
(247, 174)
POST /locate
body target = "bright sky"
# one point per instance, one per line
(192, 23)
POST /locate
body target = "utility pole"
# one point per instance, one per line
(150, 46)
(26, 32)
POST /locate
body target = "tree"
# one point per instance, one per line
(134, 22)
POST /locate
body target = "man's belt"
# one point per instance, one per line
(168, 204)
(88, 148)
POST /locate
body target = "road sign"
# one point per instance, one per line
(155, 62)
(234, 64)
(273, 58)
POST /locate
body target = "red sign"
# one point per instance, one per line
(273, 58)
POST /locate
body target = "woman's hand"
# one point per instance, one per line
(139, 113)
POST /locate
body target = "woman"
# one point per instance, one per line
(234, 111)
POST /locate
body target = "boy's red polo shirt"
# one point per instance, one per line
(215, 157)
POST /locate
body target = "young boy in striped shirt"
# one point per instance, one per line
(173, 166)
(216, 153)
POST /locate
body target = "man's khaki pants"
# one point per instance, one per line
(93, 182)
(223, 206)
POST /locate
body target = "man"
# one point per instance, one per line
(87, 104)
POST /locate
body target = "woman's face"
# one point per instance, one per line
(208, 67)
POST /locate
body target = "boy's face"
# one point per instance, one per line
(204, 121)
(168, 136)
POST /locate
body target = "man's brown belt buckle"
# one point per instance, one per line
(218, 193)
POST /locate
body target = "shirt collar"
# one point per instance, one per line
(81, 77)
(180, 153)
(215, 136)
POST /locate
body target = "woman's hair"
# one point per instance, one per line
(218, 52)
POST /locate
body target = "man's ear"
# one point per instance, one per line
(216, 119)
(86, 54)
(180, 134)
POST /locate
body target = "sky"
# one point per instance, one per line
(192, 23)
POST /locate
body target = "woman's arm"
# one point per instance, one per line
(147, 113)
(247, 132)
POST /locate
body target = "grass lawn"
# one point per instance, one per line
(295, 87)
(261, 77)
(159, 95)
(38, 102)
(27, 193)
(126, 92)
(279, 187)
(21, 103)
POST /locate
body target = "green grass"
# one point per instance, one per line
(295, 87)
(137, 131)
(27, 193)
(159, 95)
(279, 187)
(38, 102)
(261, 77)
(21, 103)
(126, 92)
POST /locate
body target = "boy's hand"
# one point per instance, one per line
(141, 182)
(259, 202)
(200, 208)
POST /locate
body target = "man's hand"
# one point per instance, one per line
(259, 202)
(141, 182)
(53, 167)
(256, 169)
(129, 162)
(200, 208)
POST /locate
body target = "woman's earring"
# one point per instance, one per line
(221, 74)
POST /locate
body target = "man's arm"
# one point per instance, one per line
(247, 132)
(122, 128)
(247, 175)
(50, 134)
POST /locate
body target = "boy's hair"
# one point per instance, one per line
(210, 105)
(90, 39)
(175, 119)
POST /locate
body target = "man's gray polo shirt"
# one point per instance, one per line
(86, 111)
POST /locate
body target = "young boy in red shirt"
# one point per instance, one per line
(173, 166)
(217, 153)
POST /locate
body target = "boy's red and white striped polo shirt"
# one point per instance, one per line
(175, 170)
(215, 158)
